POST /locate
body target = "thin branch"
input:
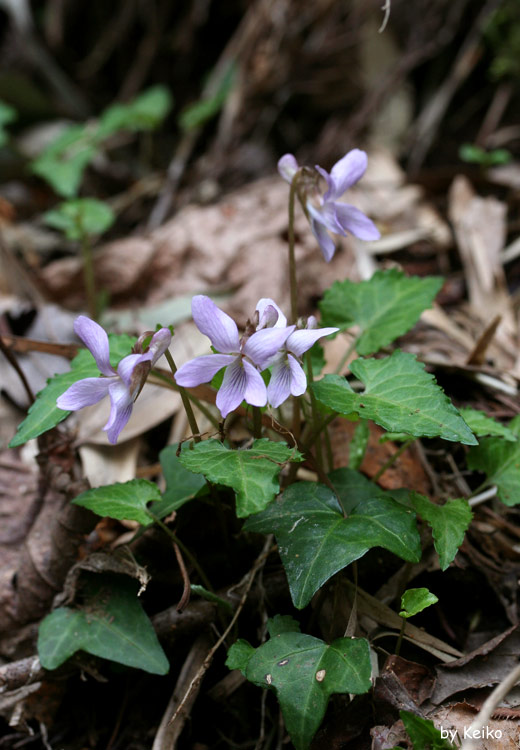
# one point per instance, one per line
(490, 704)
(386, 9)
(259, 562)
(185, 598)
(14, 363)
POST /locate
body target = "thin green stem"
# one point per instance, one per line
(345, 357)
(314, 409)
(393, 458)
(185, 401)
(292, 261)
(194, 400)
(89, 278)
(257, 422)
(309, 437)
(296, 422)
(183, 548)
(400, 639)
(328, 449)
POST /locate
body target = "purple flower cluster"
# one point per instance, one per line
(271, 343)
(122, 385)
(268, 343)
(324, 212)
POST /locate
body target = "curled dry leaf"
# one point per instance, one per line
(480, 231)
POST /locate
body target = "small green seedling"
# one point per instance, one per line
(413, 601)
(472, 154)
(205, 108)
(63, 162)
(81, 219)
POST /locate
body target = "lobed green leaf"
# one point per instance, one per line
(384, 307)
(482, 425)
(239, 654)
(399, 395)
(499, 460)
(252, 473)
(448, 522)
(63, 161)
(110, 624)
(125, 501)
(316, 540)
(304, 672)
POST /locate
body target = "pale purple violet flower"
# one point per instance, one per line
(287, 375)
(122, 385)
(244, 358)
(324, 211)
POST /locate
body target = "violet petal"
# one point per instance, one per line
(287, 167)
(83, 393)
(326, 215)
(346, 172)
(301, 341)
(263, 345)
(256, 392)
(298, 377)
(215, 324)
(269, 314)
(126, 367)
(279, 388)
(232, 391)
(202, 369)
(96, 340)
(324, 241)
(120, 411)
(355, 221)
(160, 342)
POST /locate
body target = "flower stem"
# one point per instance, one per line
(88, 277)
(257, 422)
(328, 449)
(292, 261)
(400, 639)
(185, 401)
(167, 381)
(296, 423)
(309, 437)
(314, 409)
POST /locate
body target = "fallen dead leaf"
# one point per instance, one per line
(487, 665)
(480, 231)
(506, 734)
